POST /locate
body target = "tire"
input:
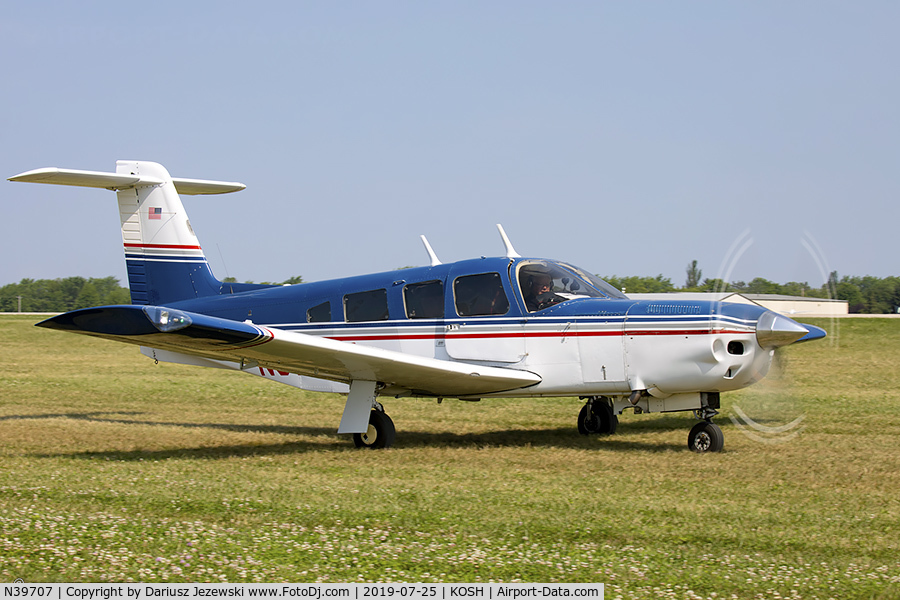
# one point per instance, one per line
(706, 437)
(600, 420)
(381, 432)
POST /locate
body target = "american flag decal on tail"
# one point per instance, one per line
(155, 213)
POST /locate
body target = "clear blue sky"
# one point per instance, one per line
(626, 137)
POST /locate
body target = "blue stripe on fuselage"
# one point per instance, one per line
(286, 307)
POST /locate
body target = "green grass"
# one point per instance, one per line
(116, 469)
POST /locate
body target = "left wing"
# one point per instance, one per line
(251, 345)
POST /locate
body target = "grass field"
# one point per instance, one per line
(116, 469)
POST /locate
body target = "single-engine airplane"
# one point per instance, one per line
(483, 328)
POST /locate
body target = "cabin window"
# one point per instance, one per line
(479, 295)
(424, 300)
(321, 313)
(366, 306)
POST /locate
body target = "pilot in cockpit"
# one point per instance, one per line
(539, 292)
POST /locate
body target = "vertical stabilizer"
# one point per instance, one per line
(163, 255)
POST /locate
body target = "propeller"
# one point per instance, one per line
(774, 330)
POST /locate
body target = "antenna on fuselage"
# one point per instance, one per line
(435, 261)
(510, 251)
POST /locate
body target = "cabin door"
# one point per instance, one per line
(483, 328)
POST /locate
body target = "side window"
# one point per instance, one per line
(366, 306)
(479, 295)
(321, 313)
(424, 300)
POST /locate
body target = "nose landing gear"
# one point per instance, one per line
(706, 436)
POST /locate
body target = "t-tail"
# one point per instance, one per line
(164, 259)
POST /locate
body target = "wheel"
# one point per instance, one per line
(380, 434)
(706, 437)
(599, 420)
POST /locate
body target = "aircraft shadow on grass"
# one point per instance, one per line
(561, 437)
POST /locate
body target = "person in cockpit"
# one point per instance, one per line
(540, 294)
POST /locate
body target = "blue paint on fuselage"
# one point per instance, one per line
(287, 306)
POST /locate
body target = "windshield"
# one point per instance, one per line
(598, 283)
(545, 283)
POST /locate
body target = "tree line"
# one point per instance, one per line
(866, 294)
(60, 295)
(72, 293)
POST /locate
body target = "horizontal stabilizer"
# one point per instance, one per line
(243, 342)
(119, 181)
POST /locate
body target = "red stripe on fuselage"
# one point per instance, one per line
(536, 334)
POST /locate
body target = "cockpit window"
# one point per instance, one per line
(546, 283)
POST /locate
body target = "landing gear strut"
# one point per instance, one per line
(381, 432)
(597, 417)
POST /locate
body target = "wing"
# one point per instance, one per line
(247, 343)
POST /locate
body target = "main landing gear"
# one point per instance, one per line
(597, 417)
(380, 433)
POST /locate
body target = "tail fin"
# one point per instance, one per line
(164, 259)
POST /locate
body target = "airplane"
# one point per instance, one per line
(489, 327)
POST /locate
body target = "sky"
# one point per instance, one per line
(761, 139)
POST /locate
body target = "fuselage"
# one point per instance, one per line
(588, 339)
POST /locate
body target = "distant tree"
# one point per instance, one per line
(87, 296)
(832, 282)
(795, 288)
(120, 295)
(642, 285)
(693, 275)
(878, 294)
(293, 280)
(713, 285)
(763, 286)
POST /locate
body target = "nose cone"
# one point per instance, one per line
(774, 330)
(815, 333)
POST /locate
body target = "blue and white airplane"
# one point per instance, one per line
(481, 328)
